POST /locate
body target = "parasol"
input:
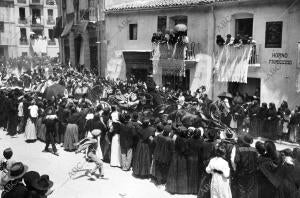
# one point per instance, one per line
(180, 28)
(54, 90)
(225, 95)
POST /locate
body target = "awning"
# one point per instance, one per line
(67, 28)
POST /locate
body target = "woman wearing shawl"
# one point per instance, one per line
(177, 181)
(71, 135)
(271, 122)
(142, 160)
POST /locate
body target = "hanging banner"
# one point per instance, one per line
(232, 63)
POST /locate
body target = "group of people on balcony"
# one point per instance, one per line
(238, 41)
(170, 37)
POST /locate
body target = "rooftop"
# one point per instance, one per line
(150, 4)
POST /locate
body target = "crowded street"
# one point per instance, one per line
(149, 98)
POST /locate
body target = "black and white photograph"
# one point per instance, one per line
(150, 98)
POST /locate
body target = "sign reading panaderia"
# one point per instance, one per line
(280, 59)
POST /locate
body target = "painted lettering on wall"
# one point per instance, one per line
(279, 58)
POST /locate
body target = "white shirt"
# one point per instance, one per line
(20, 109)
(33, 111)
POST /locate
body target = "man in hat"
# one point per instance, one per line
(91, 145)
(245, 160)
(43, 186)
(15, 188)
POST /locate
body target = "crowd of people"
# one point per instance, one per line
(186, 159)
(17, 181)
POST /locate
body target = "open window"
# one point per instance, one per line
(23, 38)
(133, 29)
(161, 24)
(36, 16)
(22, 15)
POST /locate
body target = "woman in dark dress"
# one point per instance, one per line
(143, 156)
(272, 121)
(194, 150)
(162, 156)
(207, 152)
(254, 118)
(12, 115)
(177, 181)
(262, 119)
(266, 178)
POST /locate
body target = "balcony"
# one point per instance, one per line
(23, 41)
(254, 57)
(36, 2)
(21, 1)
(37, 22)
(51, 42)
(50, 21)
(22, 21)
(186, 52)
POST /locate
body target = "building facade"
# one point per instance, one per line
(35, 19)
(22, 21)
(273, 26)
(80, 34)
(8, 46)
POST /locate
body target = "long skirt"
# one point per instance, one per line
(12, 125)
(115, 155)
(142, 165)
(30, 130)
(71, 137)
(41, 130)
(193, 174)
(177, 182)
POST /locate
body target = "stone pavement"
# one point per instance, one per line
(118, 185)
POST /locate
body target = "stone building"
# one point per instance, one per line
(272, 66)
(22, 22)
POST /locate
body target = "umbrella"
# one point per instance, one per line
(225, 95)
(180, 28)
(54, 90)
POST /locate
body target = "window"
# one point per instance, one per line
(23, 38)
(24, 54)
(36, 16)
(1, 52)
(273, 34)
(22, 13)
(132, 31)
(50, 13)
(1, 26)
(244, 29)
(51, 34)
(161, 24)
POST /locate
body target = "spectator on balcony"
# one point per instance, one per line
(228, 39)
(220, 40)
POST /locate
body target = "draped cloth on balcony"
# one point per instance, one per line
(232, 63)
(68, 26)
(168, 59)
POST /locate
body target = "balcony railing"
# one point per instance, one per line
(255, 58)
(23, 42)
(51, 42)
(21, 1)
(37, 21)
(22, 21)
(50, 21)
(36, 2)
(179, 51)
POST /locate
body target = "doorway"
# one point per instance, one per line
(177, 82)
(252, 88)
